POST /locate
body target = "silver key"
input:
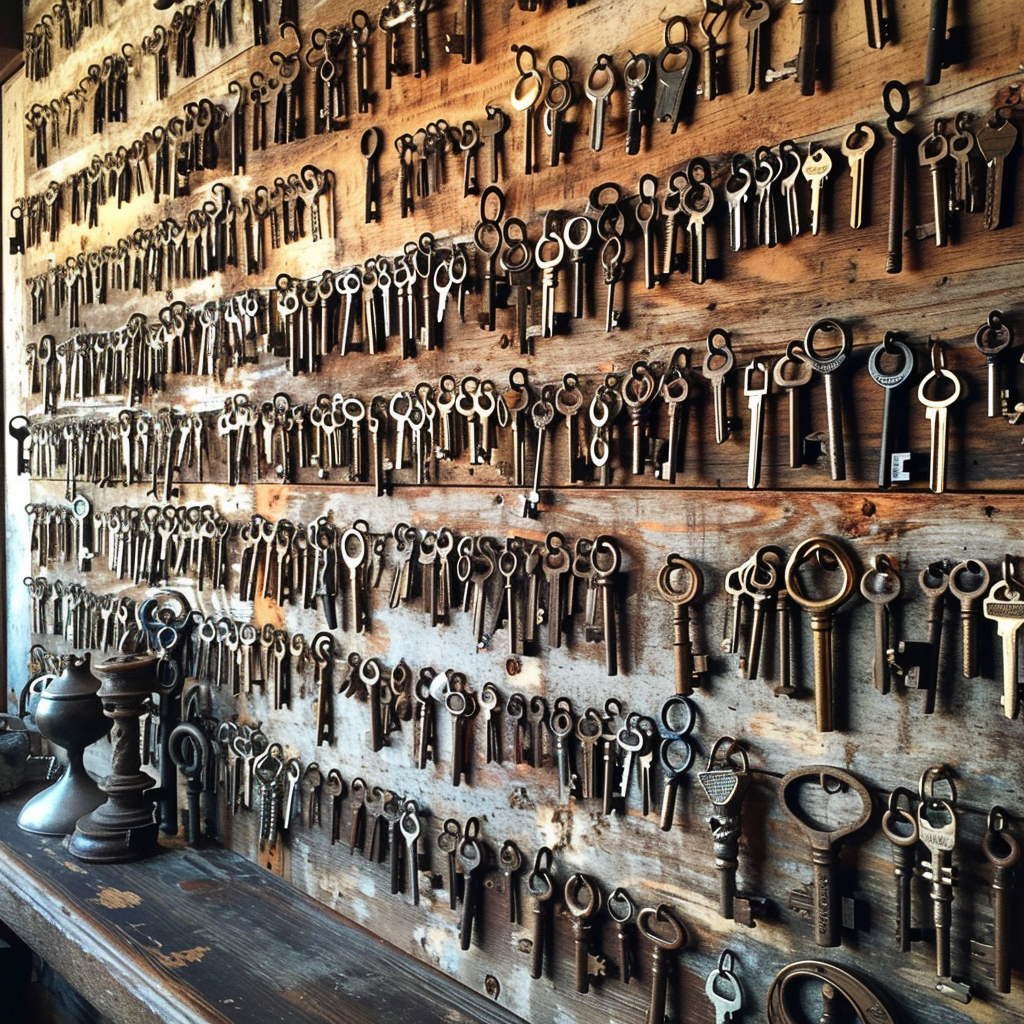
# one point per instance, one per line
(726, 1005)
(598, 96)
(755, 401)
(1005, 607)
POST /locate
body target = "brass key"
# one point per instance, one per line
(676, 569)
(525, 94)
(824, 840)
(968, 597)
(830, 556)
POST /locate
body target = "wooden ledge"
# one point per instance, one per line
(205, 936)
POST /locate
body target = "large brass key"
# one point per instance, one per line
(830, 556)
(824, 840)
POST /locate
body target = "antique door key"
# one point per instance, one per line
(832, 557)
(936, 411)
(666, 934)
(1002, 851)
(583, 900)
(819, 902)
(675, 572)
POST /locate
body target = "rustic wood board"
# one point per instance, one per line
(764, 298)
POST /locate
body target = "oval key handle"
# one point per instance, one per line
(820, 836)
(621, 908)
(822, 363)
(671, 934)
(801, 553)
(867, 1003)
(675, 567)
(580, 887)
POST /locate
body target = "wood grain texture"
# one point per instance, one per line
(764, 298)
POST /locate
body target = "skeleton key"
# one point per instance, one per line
(824, 839)
(370, 145)
(831, 557)
(525, 95)
(542, 413)
(1002, 851)
(712, 23)
(719, 361)
(968, 596)
(511, 861)
(900, 827)
(937, 830)
(470, 855)
(563, 723)
(992, 339)
(896, 100)
(697, 202)
(602, 72)
(448, 841)
(557, 100)
(674, 391)
(737, 190)
(932, 152)
(666, 934)
(622, 910)
(725, 781)
(541, 888)
(1005, 606)
(588, 731)
(881, 585)
(676, 752)
(936, 411)
(892, 382)
(410, 827)
(675, 570)
(962, 146)
(828, 366)
(636, 74)
(583, 900)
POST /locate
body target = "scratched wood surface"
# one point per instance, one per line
(764, 298)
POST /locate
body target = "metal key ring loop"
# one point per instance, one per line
(891, 345)
(899, 810)
(649, 917)
(620, 906)
(801, 553)
(675, 565)
(577, 885)
(827, 364)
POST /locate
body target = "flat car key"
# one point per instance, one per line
(1005, 607)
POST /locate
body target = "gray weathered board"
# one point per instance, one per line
(764, 298)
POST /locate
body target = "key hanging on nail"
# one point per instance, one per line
(370, 146)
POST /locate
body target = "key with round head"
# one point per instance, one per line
(666, 934)
(937, 411)
(992, 339)
(599, 86)
(932, 153)
(1002, 851)
(832, 558)
(680, 582)
(541, 888)
(470, 858)
(622, 910)
(900, 827)
(896, 100)
(891, 380)
(791, 373)
(675, 753)
(828, 366)
(525, 94)
(855, 146)
(698, 201)
(583, 900)
(880, 586)
(511, 861)
(1005, 606)
(718, 362)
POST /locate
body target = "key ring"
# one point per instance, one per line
(801, 553)
(647, 920)
(620, 905)
(674, 567)
(579, 885)
(899, 811)
(891, 345)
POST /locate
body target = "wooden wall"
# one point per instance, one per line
(764, 299)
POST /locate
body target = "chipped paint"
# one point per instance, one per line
(76, 868)
(117, 899)
(181, 958)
